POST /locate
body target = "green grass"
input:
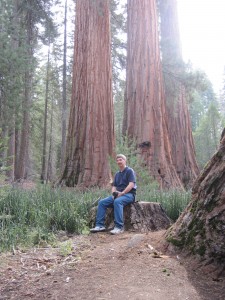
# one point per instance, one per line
(32, 217)
(173, 201)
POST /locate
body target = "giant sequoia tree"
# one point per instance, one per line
(144, 111)
(200, 228)
(91, 128)
(179, 124)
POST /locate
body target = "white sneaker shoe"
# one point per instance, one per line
(117, 230)
(97, 229)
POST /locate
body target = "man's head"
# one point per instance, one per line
(121, 161)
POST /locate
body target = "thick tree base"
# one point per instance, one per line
(139, 216)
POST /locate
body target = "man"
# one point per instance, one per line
(123, 193)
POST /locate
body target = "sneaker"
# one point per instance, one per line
(97, 229)
(117, 230)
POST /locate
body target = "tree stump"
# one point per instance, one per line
(138, 216)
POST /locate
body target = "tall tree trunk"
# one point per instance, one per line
(12, 124)
(200, 228)
(11, 151)
(43, 168)
(49, 169)
(64, 106)
(144, 112)
(21, 170)
(90, 138)
(179, 124)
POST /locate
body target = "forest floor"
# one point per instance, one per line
(101, 266)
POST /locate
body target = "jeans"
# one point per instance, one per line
(118, 205)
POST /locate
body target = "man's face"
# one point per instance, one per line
(121, 162)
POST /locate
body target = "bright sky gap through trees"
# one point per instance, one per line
(202, 28)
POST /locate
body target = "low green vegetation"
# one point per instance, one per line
(173, 201)
(33, 217)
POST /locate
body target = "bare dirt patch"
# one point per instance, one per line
(102, 266)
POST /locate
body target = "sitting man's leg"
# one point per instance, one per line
(119, 204)
(103, 204)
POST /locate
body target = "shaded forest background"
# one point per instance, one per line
(36, 62)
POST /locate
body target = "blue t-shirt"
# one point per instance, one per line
(122, 179)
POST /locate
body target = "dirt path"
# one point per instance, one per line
(107, 267)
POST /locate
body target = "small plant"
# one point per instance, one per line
(66, 248)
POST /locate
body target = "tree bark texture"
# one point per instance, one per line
(21, 166)
(44, 149)
(201, 227)
(179, 124)
(144, 112)
(64, 98)
(139, 216)
(180, 135)
(90, 138)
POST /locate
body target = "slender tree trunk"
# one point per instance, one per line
(11, 128)
(179, 124)
(144, 113)
(21, 170)
(43, 169)
(64, 105)
(11, 151)
(21, 173)
(90, 138)
(49, 169)
(17, 140)
(3, 136)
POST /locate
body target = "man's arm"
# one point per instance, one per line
(127, 189)
(113, 189)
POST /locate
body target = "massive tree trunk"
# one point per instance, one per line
(90, 138)
(144, 112)
(179, 124)
(200, 228)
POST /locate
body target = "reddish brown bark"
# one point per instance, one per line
(144, 117)
(90, 138)
(200, 228)
(179, 124)
(180, 135)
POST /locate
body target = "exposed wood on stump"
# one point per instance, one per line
(179, 124)
(201, 227)
(139, 216)
(144, 111)
(90, 139)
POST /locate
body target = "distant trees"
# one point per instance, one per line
(26, 27)
(178, 116)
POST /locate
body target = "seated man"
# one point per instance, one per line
(123, 193)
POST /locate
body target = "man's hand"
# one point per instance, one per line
(121, 194)
(115, 194)
(127, 189)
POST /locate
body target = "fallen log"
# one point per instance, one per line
(138, 216)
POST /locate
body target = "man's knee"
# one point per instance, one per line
(106, 202)
(118, 201)
(101, 202)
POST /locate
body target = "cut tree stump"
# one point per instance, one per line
(138, 216)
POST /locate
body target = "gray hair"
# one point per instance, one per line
(121, 156)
